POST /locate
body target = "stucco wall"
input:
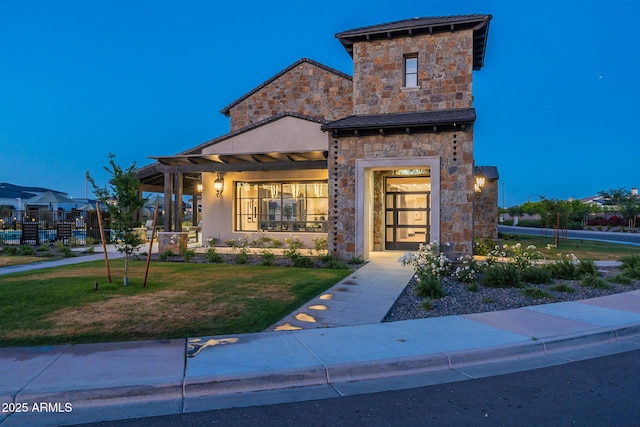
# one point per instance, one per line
(445, 67)
(218, 212)
(306, 89)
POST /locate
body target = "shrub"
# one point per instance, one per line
(10, 250)
(429, 286)
(74, 242)
(630, 266)
(473, 287)
(562, 287)
(515, 254)
(268, 258)
(164, 256)
(356, 260)
(536, 275)
(27, 250)
(336, 264)
(467, 272)
(501, 276)
(427, 304)
(482, 247)
(303, 262)
(89, 250)
(429, 260)
(621, 279)
(187, 254)
(59, 245)
(293, 248)
(564, 269)
(594, 282)
(587, 267)
(242, 258)
(212, 256)
(67, 252)
(535, 223)
(89, 241)
(320, 244)
(536, 293)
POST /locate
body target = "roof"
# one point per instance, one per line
(418, 26)
(226, 109)
(430, 121)
(13, 191)
(489, 172)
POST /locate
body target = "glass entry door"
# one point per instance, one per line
(407, 212)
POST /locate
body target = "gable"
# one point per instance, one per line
(306, 88)
(287, 134)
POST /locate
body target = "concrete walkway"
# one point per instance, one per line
(81, 383)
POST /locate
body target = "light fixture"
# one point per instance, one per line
(218, 185)
(479, 183)
(199, 187)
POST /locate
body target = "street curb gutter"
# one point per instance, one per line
(178, 395)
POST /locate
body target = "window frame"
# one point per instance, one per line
(405, 70)
(273, 211)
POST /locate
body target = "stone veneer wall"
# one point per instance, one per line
(445, 67)
(485, 211)
(456, 186)
(306, 89)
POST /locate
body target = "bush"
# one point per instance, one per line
(10, 250)
(242, 258)
(564, 269)
(429, 286)
(427, 304)
(562, 287)
(535, 223)
(536, 293)
(356, 260)
(587, 267)
(67, 252)
(501, 276)
(630, 266)
(303, 262)
(293, 248)
(187, 254)
(27, 250)
(536, 275)
(335, 263)
(212, 256)
(594, 282)
(482, 247)
(429, 261)
(164, 256)
(268, 258)
(621, 279)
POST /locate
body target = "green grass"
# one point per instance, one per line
(583, 249)
(59, 305)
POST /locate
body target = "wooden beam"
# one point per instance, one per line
(245, 166)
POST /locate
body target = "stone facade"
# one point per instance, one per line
(485, 211)
(445, 66)
(456, 192)
(305, 88)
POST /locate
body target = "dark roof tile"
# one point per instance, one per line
(402, 120)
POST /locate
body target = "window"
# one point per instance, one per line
(411, 71)
(282, 206)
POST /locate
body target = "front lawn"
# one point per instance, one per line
(583, 249)
(60, 305)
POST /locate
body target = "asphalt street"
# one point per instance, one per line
(594, 392)
(603, 236)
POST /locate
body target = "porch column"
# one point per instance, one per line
(178, 179)
(168, 193)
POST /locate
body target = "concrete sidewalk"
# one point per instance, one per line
(92, 382)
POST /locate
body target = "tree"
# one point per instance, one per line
(122, 200)
(627, 203)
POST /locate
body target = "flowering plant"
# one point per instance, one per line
(466, 273)
(429, 260)
(515, 254)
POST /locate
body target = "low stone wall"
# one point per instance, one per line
(172, 240)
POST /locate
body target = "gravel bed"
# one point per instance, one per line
(460, 300)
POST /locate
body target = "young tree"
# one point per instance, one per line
(122, 200)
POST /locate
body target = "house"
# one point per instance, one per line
(381, 160)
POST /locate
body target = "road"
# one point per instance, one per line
(626, 238)
(595, 392)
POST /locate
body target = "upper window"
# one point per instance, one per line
(411, 71)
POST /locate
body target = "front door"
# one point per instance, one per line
(407, 212)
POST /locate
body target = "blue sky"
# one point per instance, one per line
(557, 99)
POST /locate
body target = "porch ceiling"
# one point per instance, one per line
(192, 165)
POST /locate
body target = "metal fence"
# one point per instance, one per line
(36, 227)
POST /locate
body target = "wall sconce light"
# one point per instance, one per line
(218, 185)
(479, 183)
(199, 188)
